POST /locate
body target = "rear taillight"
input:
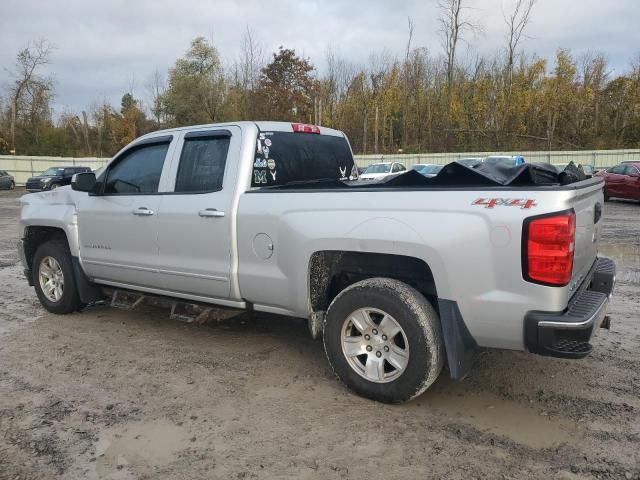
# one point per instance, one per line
(548, 243)
(305, 128)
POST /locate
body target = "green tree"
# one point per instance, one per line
(196, 88)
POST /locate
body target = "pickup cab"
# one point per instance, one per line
(266, 216)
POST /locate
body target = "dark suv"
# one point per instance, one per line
(53, 177)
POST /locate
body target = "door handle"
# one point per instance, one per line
(210, 212)
(143, 211)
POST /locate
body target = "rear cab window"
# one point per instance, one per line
(202, 162)
(290, 157)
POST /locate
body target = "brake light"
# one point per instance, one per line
(549, 244)
(305, 128)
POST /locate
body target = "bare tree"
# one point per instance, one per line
(452, 28)
(407, 76)
(516, 22)
(252, 59)
(157, 88)
(27, 80)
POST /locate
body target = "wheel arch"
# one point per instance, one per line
(34, 236)
(331, 271)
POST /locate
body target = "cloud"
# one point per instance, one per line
(104, 47)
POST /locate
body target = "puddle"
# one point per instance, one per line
(493, 414)
(143, 445)
(627, 259)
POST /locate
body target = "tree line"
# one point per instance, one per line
(419, 101)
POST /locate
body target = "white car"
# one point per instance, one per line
(378, 171)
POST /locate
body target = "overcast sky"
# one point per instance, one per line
(103, 47)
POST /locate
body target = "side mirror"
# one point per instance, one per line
(83, 182)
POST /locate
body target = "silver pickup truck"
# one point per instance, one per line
(397, 280)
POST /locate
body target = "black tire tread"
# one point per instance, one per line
(58, 248)
(427, 321)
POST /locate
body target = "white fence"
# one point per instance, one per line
(597, 158)
(23, 167)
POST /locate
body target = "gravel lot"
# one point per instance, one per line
(120, 395)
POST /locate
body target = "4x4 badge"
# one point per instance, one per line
(523, 203)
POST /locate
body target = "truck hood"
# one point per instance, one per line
(60, 196)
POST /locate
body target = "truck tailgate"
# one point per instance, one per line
(587, 204)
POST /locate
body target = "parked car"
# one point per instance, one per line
(378, 171)
(384, 274)
(587, 169)
(53, 178)
(622, 181)
(6, 180)
(505, 160)
(427, 169)
(471, 161)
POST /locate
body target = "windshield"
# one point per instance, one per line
(428, 169)
(52, 172)
(283, 157)
(588, 169)
(504, 161)
(379, 168)
(470, 162)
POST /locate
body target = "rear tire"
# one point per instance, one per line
(53, 277)
(383, 340)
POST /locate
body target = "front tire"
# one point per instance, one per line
(12, 185)
(54, 186)
(383, 340)
(53, 277)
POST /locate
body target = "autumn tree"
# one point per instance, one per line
(129, 123)
(287, 87)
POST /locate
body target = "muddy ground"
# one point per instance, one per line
(121, 395)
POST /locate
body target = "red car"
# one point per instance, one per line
(622, 181)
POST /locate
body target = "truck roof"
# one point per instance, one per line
(263, 126)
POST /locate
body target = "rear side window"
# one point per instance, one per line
(284, 157)
(137, 171)
(202, 163)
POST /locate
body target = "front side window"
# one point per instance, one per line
(618, 169)
(629, 170)
(202, 164)
(138, 171)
